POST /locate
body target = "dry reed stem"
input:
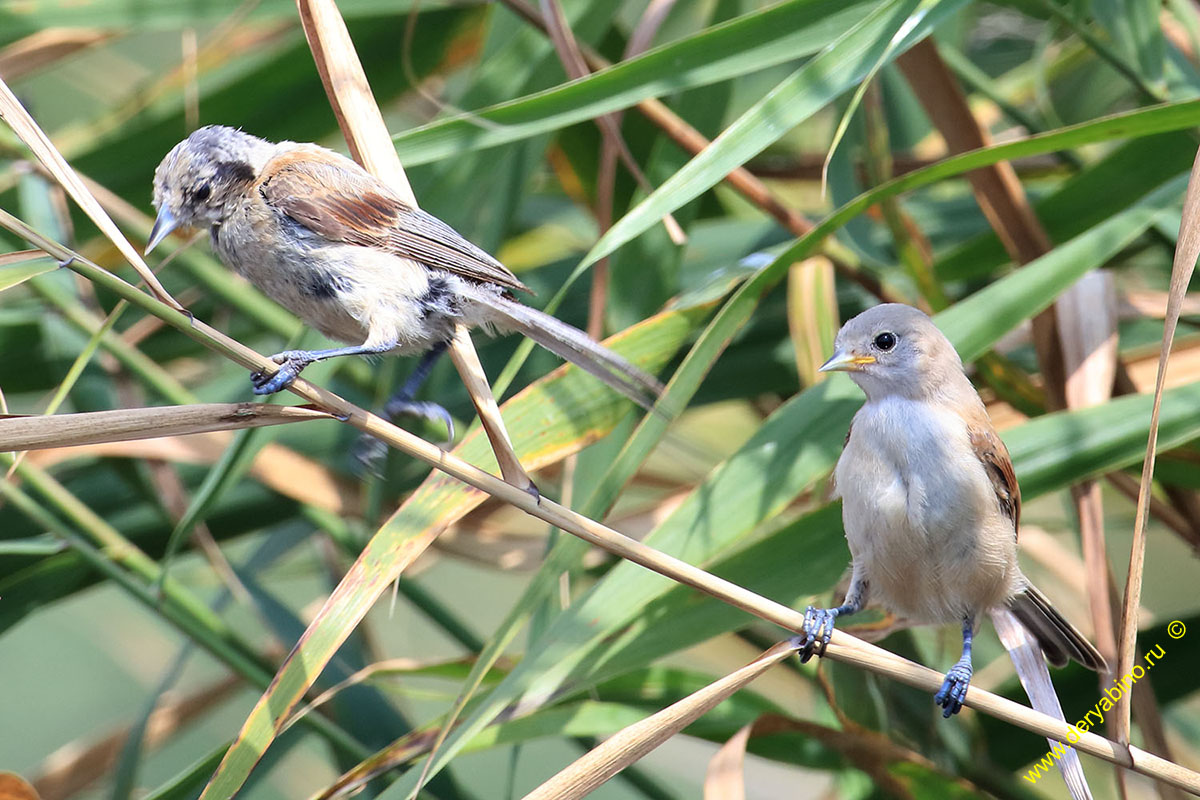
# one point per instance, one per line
(39, 432)
(812, 316)
(575, 65)
(24, 126)
(620, 750)
(1087, 325)
(466, 361)
(1187, 249)
(350, 95)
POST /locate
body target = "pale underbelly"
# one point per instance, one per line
(929, 560)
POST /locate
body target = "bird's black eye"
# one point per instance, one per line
(885, 340)
(202, 192)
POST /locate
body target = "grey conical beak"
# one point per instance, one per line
(845, 361)
(163, 225)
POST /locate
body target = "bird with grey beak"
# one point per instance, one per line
(930, 502)
(341, 250)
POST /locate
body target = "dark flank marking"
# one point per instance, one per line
(235, 172)
(298, 230)
(438, 298)
(322, 285)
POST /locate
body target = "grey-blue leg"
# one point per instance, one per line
(369, 451)
(819, 622)
(292, 363)
(954, 688)
(403, 401)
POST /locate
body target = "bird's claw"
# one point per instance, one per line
(954, 689)
(291, 364)
(370, 452)
(818, 630)
(402, 406)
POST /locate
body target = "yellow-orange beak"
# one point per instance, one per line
(846, 362)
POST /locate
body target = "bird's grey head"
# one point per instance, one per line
(894, 349)
(198, 181)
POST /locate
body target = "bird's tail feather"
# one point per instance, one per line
(574, 345)
(1059, 639)
(1025, 649)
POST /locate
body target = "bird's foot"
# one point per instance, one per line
(291, 364)
(370, 452)
(403, 406)
(954, 689)
(818, 630)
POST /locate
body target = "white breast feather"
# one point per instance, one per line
(921, 521)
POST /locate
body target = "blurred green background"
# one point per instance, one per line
(499, 143)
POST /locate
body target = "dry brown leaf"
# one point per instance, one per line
(1153, 304)
(725, 778)
(1184, 368)
(997, 189)
(275, 466)
(20, 257)
(41, 49)
(75, 766)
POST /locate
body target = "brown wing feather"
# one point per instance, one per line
(335, 198)
(999, 467)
